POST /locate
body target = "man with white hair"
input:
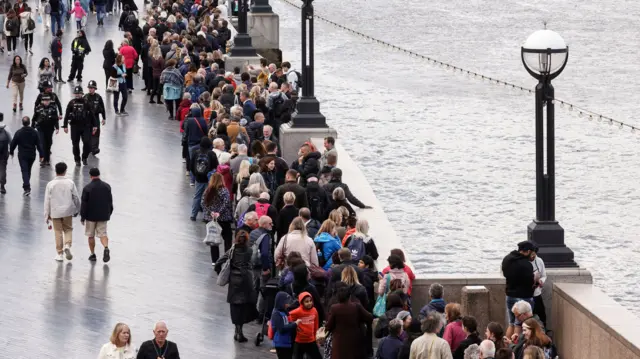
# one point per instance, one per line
(235, 163)
(250, 222)
(159, 346)
(521, 312)
(487, 349)
(218, 148)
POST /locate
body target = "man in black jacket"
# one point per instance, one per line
(95, 211)
(27, 141)
(83, 125)
(159, 346)
(308, 163)
(5, 140)
(518, 272)
(336, 181)
(45, 120)
(318, 199)
(290, 185)
(47, 90)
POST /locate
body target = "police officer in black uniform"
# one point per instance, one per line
(46, 121)
(83, 125)
(47, 88)
(97, 107)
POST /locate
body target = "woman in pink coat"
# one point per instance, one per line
(130, 55)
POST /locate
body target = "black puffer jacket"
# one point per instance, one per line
(310, 166)
(518, 272)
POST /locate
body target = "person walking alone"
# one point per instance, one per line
(61, 203)
(5, 140)
(80, 48)
(17, 74)
(95, 211)
(27, 141)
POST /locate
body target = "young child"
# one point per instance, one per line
(283, 330)
(390, 346)
(306, 328)
(79, 13)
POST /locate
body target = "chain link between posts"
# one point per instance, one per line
(582, 112)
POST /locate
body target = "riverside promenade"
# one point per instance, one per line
(159, 270)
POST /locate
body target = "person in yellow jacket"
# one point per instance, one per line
(80, 48)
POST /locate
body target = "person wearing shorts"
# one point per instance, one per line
(95, 212)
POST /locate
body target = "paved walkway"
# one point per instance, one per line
(159, 267)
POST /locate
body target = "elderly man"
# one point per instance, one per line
(159, 347)
(218, 149)
(250, 220)
(235, 163)
(487, 349)
(522, 311)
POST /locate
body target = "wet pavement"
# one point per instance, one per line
(159, 270)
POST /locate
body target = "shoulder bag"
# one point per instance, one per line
(225, 272)
(281, 261)
(381, 303)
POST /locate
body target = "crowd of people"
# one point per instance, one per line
(295, 255)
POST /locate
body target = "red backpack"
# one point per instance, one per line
(262, 208)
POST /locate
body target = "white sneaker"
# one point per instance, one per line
(58, 257)
(67, 252)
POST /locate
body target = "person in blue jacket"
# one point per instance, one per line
(327, 242)
(283, 330)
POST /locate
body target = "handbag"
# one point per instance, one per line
(381, 303)
(321, 335)
(112, 84)
(225, 272)
(281, 261)
(317, 273)
(214, 234)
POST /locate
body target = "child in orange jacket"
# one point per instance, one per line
(307, 328)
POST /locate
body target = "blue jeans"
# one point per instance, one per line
(511, 301)
(100, 12)
(192, 149)
(197, 197)
(57, 22)
(26, 163)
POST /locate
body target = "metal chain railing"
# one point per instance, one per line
(582, 111)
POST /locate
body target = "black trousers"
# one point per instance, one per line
(147, 76)
(77, 64)
(46, 138)
(28, 41)
(81, 133)
(284, 353)
(540, 310)
(57, 62)
(26, 163)
(107, 75)
(227, 237)
(129, 78)
(311, 349)
(156, 88)
(12, 43)
(170, 107)
(95, 142)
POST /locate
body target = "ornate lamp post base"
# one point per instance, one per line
(308, 114)
(549, 236)
(242, 46)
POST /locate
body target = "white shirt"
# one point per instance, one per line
(539, 270)
(61, 198)
(110, 351)
(292, 79)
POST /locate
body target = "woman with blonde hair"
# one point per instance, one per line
(360, 243)
(327, 243)
(534, 352)
(287, 214)
(242, 176)
(336, 217)
(357, 290)
(119, 345)
(296, 241)
(255, 92)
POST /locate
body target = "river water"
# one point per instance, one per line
(451, 158)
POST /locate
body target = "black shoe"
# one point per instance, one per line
(105, 256)
(160, 102)
(55, 80)
(84, 162)
(242, 338)
(3, 190)
(77, 163)
(93, 257)
(15, 109)
(68, 80)
(144, 89)
(193, 219)
(96, 152)
(79, 79)
(151, 101)
(62, 81)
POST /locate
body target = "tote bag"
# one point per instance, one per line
(381, 303)
(225, 272)
(214, 234)
(112, 84)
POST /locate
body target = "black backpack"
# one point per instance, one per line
(12, 25)
(202, 164)
(299, 82)
(30, 23)
(316, 206)
(279, 106)
(130, 21)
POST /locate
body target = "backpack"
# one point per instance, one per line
(12, 25)
(242, 139)
(279, 107)
(47, 8)
(130, 21)
(255, 256)
(30, 23)
(195, 92)
(356, 246)
(299, 82)
(202, 165)
(262, 208)
(316, 206)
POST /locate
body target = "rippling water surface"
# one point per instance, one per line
(459, 152)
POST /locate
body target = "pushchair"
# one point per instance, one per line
(269, 291)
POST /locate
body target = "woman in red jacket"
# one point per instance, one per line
(130, 55)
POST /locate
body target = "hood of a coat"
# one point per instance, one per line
(325, 237)
(185, 103)
(303, 295)
(311, 155)
(196, 112)
(282, 298)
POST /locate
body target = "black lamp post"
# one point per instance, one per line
(308, 108)
(242, 42)
(544, 56)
